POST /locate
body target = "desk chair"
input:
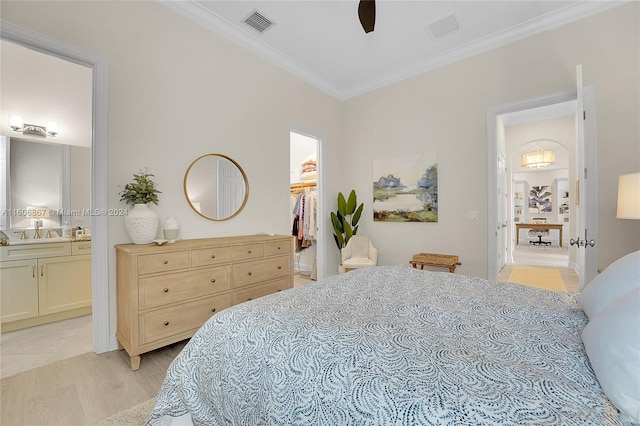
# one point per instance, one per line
(539, 232)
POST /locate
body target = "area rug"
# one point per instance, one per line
(134, 416)
(543, 247)
(546, 278)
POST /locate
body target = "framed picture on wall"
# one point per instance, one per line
(540, 199)
(405, 189)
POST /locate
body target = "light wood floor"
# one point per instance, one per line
(88, 388)
(78, 390)
(544, 259)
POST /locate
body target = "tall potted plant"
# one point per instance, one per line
(345, 219)
(141, 222)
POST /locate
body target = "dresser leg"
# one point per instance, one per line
(135, 362)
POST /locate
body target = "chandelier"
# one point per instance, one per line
(538, 158)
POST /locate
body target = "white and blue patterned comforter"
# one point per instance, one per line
(390, 346)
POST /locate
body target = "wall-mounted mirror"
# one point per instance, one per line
(216, 187)
(48, 175)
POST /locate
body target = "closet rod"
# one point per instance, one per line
(302, 185)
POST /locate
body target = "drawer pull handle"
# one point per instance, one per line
(278, 247)
(213, 256)
(33, 273)
(213, 280)
(279, 267)
(249, 252)
(213, 309)
(166, 261)
(166, 290)
(249, 273)
(166, 323)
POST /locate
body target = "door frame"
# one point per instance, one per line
(492, 161)
(102, 341)
(321, 240)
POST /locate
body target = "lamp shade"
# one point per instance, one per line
(629, 196)
(538, 158)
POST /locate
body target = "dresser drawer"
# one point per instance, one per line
(260, 290)
(247, 273)
(159, 291)
(247, 251)
(161, 262)
(210, 256)
(274, 248)
(164, 323)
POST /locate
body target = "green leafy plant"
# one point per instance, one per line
(141, 191)
(345, 219)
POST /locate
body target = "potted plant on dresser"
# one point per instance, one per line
(141, 222)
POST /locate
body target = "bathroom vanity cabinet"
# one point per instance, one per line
(42, 283)
(165, 293)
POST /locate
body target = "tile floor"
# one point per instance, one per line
(25, 349)
(33, 347)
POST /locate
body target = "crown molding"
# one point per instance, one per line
(224, 28)
(221, 26)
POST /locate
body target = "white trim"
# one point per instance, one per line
(205, 17)
(492, 165)
(321, 212)
(102, 342)
(226, 29)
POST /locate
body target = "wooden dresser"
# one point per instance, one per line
(165, 293)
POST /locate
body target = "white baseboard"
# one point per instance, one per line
(303, 267)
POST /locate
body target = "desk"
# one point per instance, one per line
(519, 226)
(433, 259)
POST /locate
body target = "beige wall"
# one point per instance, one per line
(446, 111)
(177, 91)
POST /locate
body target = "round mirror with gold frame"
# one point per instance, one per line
(216, 187)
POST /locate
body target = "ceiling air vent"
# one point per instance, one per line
(258, 21)
(443, 26)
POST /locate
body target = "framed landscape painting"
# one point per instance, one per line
(405, 189)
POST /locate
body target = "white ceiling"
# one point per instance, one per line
(323, 43)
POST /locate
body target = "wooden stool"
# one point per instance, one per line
(434, 259)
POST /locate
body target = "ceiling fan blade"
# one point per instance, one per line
(367, 14)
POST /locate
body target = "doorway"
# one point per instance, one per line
(539, 192)
(51, 171)
(102, 341)
(305, 205)
(534, 110)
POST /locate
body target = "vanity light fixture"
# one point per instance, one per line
(538, 158)
(18, 125)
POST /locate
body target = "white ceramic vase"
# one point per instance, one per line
(142, 224)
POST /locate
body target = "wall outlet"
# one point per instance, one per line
(472, 215)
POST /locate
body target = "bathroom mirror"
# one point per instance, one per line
(47, 175)
(216, 187)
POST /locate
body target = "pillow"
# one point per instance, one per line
(620, 277)
(612, 342)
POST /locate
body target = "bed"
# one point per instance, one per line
(390, 346)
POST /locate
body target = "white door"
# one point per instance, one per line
(585, 195)
(502, 211)
(231, 189)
